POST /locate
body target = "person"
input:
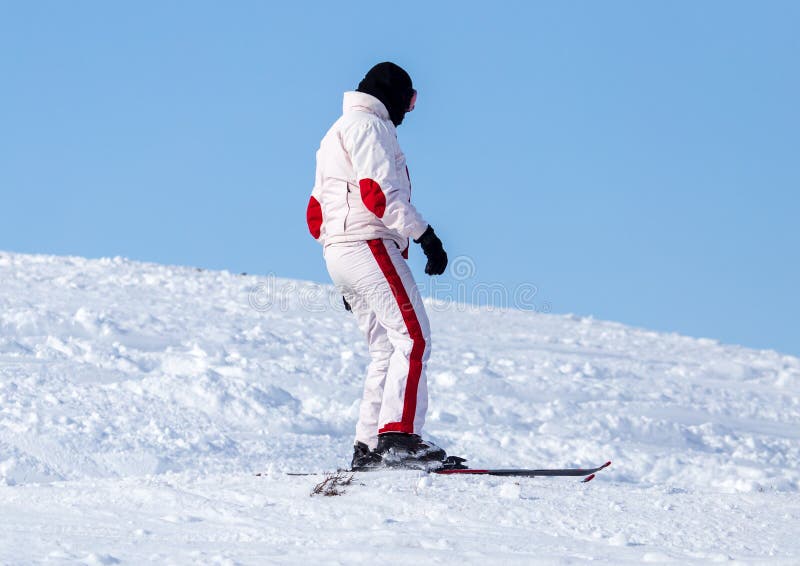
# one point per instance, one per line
(360, 211)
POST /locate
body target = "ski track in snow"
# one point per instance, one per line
(137, 402)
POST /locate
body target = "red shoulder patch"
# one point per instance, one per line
(373, 197)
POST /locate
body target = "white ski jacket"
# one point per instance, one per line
(362, 189)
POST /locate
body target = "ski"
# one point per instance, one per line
(589, 473)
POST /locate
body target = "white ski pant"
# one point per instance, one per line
(376, 281)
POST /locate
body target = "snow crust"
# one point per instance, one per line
(138, 401)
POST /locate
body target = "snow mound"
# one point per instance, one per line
(113, 368)
(120, 373)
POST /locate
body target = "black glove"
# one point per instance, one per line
(432, 247)
(347, 306)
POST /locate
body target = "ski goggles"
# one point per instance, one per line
(413, 100)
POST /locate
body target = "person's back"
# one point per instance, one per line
(362, 146)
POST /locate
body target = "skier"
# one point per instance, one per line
(360, 211)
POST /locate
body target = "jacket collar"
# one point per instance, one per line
(362, 102)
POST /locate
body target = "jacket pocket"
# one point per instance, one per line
(347, 203)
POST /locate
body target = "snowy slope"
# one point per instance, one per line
(137, 401)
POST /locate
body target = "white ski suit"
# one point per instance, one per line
(360, 211)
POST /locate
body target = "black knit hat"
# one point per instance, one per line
(390, 84)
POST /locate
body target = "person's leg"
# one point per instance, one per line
(398, 306)
(354, 272)
(380, 350)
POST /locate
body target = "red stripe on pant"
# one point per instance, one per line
(406, 423)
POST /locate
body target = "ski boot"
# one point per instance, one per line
(364, 459)
(401, 450)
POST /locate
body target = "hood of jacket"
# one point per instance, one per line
(360, 102)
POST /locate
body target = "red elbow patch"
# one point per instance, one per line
(314, 217)
(373, 197)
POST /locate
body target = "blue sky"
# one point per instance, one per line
(636, 161)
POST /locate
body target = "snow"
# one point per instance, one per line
(139, 401)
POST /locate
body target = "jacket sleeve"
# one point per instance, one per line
(371, 147)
